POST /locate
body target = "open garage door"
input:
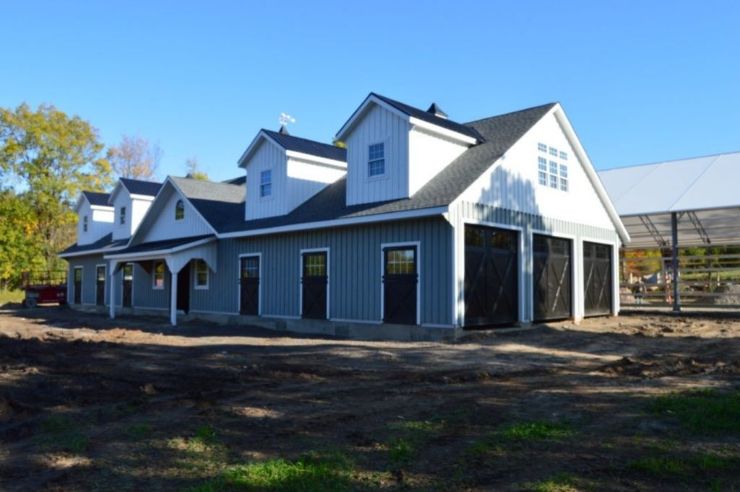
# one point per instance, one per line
(553, 294)
(491, 276)
(597, 278)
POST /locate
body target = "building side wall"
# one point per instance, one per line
(268, 156)
(164, 226)
(100, 223)
(378, 126)
(428, 155)
(88, 264)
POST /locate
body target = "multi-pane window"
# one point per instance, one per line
(84, 223)
(266, 183)
(314, 265)
(400, 261)
(552, 172)
(179, 210)
(122, 215)
(376, 160)
(201, 274)
(158, 275)
(250, 267)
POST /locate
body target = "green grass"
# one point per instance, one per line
(7, 296)
(61, 433)
(702, 412)
(561, 482)
(413, 435)
(535, 431)
(312, 472)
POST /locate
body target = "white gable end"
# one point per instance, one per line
(514, 183)
(161, 223)
(428, 155)
(99, 222)
(269, 157)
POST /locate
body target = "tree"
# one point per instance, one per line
(134, 157)
(48, 158)
(194, 172)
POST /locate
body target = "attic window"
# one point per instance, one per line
(266, 183)
(122, 215)
(542, 147)
(84, 223)
(179, 210)
(376, 160)
(552, 172)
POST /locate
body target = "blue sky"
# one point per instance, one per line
(641, 81)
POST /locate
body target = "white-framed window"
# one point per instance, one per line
(122, 215)
(158, 275)
(563, 156)
(179, 210)
(201, 274)
(266, 183)
(552, 172)
(376, 160)
(542, 170)
(542, 147)
(553, 151)
(563, 177)
(84, 223)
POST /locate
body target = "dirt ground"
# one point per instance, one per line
(87, 403)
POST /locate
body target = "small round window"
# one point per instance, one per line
(179, 210)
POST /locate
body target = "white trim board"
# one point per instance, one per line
(383, 247)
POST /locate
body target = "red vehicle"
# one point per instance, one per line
(45, 288)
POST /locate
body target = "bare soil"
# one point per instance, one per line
(87, 403)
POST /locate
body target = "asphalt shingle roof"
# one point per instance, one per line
(105, 244)
(139, 187)
(97, 198)
(221, 204)
(297, 144)
(162, 245)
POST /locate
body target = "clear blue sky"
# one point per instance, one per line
(641, 81)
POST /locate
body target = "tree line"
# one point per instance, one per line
(46, 159)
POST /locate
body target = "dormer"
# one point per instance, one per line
(130, 200)
(394, 149)
(95, 217)
(285, 171)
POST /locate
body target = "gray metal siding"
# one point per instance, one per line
(355, 270)
(145, 296)
(88, 264)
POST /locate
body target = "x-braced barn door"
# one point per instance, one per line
(552, 278)
(128, 284)
(100, 285)
(597, 278)
(314, 282)
(491, 287)
(250, 285)
(400, 281)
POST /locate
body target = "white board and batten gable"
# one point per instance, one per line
(94, 220)
(164, 223)
(129, 209)
(546, 173)
(280, 179)
(414, 151)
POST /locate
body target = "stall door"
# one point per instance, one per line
(314, 282)
(128, 284)
(77, 283)
(100, 285)
(491, 287)
(249, 282)
(552, 278)
(400, 281)
(597, 278)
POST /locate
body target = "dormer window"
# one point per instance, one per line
(376, 160)
(122, 215)
(179, 210)
(266, 183)
(84, 223)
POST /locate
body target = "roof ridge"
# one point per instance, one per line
(658, 163)
(284, 135)
(510, 113)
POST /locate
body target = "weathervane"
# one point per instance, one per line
(285, 119)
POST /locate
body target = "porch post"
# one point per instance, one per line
(173, 299)
(674, 262)
(112, 298)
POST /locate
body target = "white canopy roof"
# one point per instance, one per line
(704, 191)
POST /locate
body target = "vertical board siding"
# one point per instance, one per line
(355, 270)
(267, 157)
(145, 296)
(164, 225)
(88, 264)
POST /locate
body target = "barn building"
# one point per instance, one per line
(421, 227)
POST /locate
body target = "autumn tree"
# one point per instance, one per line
(46, 159)
(134, 157)
(193, 169)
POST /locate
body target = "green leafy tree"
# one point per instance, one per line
(47, 158)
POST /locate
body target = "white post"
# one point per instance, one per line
(112, 298)
(173, 300)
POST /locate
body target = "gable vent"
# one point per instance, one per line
(437, 111)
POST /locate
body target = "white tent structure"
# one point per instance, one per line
(687, 202)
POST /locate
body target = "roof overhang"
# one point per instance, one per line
(706, 227)
(157, 253)
(256, 141)
(90, 252)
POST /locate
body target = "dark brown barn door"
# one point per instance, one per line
(491, 287)
(552, 278)
(183, 289)
(77, 283)
(128, 284)
(249, 281)
(597, 278)
(100, 285)
(400, 280)
(314, 281)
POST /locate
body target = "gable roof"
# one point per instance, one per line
(218, 203)
(96, 198)
(295, 144)
(103, 245)
(411, 112)
(140, 187)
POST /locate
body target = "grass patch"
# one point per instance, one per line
(702, 412)
(312, 472)
(561, 482)
(201, 452)
(535, 431)
(62, 433)
(414, 434)
(666, 466)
